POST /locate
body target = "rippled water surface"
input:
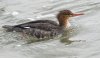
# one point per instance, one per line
(85, 30)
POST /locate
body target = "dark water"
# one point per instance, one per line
(83, 35)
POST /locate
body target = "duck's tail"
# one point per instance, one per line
(8, 28)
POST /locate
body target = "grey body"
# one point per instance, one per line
(39, 28)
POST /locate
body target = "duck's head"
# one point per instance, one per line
(64, 15)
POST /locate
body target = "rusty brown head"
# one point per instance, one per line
(70, 13)
(63, 17)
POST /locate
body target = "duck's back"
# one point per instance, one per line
(39, 24)
(39, 28)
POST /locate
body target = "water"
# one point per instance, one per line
(85, 32)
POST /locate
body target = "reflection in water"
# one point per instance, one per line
(70, 32)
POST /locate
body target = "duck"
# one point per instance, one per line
(44, 28)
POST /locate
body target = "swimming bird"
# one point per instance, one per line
(44, 28)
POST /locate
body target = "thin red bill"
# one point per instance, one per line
(77, 14)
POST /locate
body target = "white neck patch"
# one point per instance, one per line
(68, 24)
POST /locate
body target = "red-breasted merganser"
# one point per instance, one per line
(43, 28)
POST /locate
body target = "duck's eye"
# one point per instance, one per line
(69, 15)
